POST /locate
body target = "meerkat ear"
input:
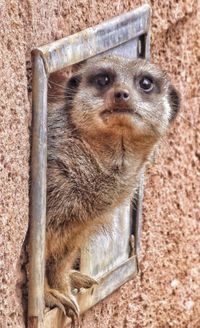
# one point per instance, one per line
(174, 100)
(72, 86)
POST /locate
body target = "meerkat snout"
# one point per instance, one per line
(121, 95)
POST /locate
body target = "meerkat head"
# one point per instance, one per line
(117, 94)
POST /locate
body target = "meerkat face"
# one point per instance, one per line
(113, 93)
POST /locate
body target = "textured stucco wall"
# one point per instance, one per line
(166, 293)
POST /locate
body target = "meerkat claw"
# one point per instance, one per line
(81, 280)
(66, 303)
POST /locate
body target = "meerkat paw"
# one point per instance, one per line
(81, 280)
(66, 303)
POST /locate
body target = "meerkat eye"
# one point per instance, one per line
(146, 84)
(102, 80)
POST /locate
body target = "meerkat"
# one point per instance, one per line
(114, 113)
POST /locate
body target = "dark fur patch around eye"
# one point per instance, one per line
(72, 86)
(174, 100)
(100, 73)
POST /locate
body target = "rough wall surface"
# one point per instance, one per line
(166, 293)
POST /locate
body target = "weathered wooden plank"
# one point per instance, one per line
(56, 319)
(38, 196)
(95, 40)
(108, 283)
(108, 249)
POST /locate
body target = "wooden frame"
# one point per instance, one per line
(126, 35)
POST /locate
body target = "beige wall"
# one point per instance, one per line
(166, 293)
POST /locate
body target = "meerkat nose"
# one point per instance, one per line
(121, 95)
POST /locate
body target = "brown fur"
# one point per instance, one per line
(95, 156)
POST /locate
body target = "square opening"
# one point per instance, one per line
(128, 36)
